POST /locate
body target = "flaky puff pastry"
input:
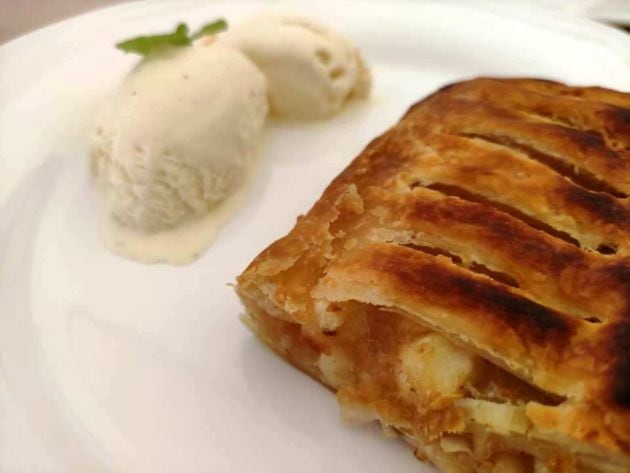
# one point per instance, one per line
(466, 280)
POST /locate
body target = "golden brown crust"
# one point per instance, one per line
(494, 213)
(587, 151)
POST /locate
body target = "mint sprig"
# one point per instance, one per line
(145, 45)
(214, 27)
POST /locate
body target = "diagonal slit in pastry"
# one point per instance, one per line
(488, 344)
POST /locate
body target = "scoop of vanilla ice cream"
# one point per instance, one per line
(179, 136)
(311, 71)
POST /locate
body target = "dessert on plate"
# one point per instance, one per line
(466, 282)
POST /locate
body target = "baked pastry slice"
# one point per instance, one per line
(466, 280)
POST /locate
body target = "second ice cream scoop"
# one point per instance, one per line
(311, 70)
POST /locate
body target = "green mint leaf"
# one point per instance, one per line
(215, 27)
(145, 45)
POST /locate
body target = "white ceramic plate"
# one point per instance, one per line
(611, 11)
(607, 11)
(110, 365)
